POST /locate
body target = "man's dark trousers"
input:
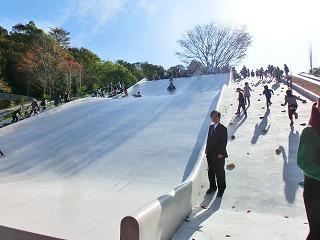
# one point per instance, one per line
(216, 173)
(311, 195)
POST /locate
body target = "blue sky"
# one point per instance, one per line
(148, 30)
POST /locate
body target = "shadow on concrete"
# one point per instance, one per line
(275, 86)
(234, 125)
(291, 174)
(262, 128)
(197, 217)
(258, 83)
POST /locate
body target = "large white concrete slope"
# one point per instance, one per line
(74, 172)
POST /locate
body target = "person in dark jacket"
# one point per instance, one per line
(1, 154)
(43, 104)
(216, 154)
(15, 114)
(286, 69)
(171, 87)
(267, 92)
(308, 159)
(252, 73)
(242, 103)
(66, 97)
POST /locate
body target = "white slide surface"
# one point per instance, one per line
(74, 172)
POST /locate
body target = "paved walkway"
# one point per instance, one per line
(263, 199)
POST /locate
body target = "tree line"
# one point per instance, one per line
(40, 64)
(36, 63)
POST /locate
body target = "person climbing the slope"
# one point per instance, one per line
(15, 114)
(34, 107)
(241, 104)
(247, 94)
(267, 92)
(171, 87)
(291, 100)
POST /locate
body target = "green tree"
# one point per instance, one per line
(61, 35)
(151, 71)
(114, 73)
(134, 68)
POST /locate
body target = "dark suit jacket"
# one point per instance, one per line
(217, 141)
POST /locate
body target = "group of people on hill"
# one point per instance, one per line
(111, 90)
(290, 100)
(33, 109)
(58, 98)
(270, 71)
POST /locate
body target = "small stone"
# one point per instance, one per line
(204, 207)
(249, 211)
(278, 151)
(283, 111)
(303, 124)
(248, 153)
(261, 117)
(186, 220)
(233, 207)
(228, 236)
(258, 100)
(231, 166)
(233, 137)
(286, 216)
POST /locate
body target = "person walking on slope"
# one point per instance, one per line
(247, 94)
(34, 107)
(252, 73)
(267, 92)
(1, 154)
(308, 159)
(241, 104)
(216, 153)
(291, 100)
(15, 114)
(286, 69)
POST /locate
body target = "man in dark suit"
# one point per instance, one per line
(216, 153)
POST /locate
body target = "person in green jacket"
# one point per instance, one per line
(308, 158)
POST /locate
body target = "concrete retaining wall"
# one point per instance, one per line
(306, 93)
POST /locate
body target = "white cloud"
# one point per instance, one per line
(96, 14)
(148, 6)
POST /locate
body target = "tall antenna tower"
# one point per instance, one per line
(310, 58)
